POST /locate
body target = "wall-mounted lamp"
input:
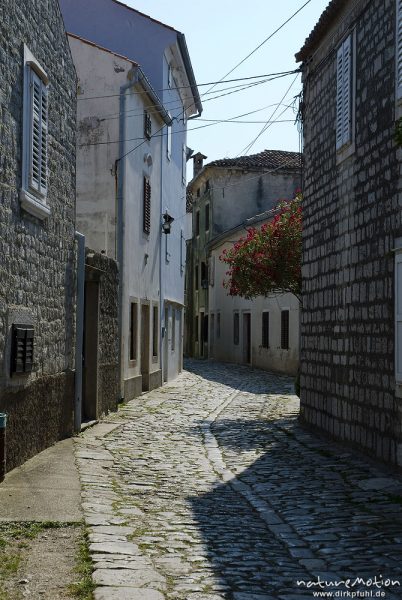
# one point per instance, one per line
(167, 223)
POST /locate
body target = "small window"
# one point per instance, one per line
(285, 329)
(236, 328)
(196, 277)
(207, 217)
(218, 325)
(147, 125)
(173, 342)
(147, 206)
(155, 332)
(265, 330)
(133, 330)
(204, 276)
(196, 326)
(344, 100)
(197, 223)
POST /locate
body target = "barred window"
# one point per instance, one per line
(147, 125)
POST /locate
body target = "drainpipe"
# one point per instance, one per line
(119, 172)
(161, 291)
(79, 330)
(3, 423)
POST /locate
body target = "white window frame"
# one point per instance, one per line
(33, 193)
(398, 315)
(345, 93)
(398, 50)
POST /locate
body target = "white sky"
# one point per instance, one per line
(219, 34)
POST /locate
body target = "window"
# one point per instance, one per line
(285, 329)
(207, 185)
(170, 76)
(147, 125)
(155, 330)
(218, 325)
(398, 317)
(236, 328)
(196, 325)
(197, 223)
(207, 217)
(35, 138)
(211, 270)
(265, 330)
(196, 277)
(204, 276)
(169, 140)
(173, 342)
(344, 94)
(147, 206)
(133, 330)
(399, 49)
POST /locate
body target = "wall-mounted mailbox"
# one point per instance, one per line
(22, 347)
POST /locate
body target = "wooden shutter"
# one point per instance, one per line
(399, 48)
(147, 206)
(37, 174)
(285, 330)
(344, 93)
(147, 125)
(398, 318)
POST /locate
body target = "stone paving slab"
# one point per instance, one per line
(209, 489)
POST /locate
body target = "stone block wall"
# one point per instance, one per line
(351, 219)
(37, 258)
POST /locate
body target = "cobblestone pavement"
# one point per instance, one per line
(209, 489)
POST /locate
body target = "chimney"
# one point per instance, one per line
(198, 163)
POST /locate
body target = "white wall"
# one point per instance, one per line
(223, 348)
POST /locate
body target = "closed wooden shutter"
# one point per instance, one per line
(265, 330)
(344, 93)
(399, 48)
(398, 318)
(37, 174)
(147, 206)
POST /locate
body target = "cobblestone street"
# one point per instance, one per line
(209, 489)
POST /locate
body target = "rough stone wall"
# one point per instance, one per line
(37, 258)
(108, 352)
(351, 218)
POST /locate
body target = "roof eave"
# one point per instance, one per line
(189, 70)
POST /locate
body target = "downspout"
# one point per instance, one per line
(119, 172)
(161, 291)
(79, 330)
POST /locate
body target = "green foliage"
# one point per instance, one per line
(268, 260)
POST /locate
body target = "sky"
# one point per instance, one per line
(219, 34)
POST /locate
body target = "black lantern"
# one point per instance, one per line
(167, 223)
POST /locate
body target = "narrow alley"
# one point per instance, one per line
(209, 489)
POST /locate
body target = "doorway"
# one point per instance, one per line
(145, 346)
(247, 338)
(90, 352)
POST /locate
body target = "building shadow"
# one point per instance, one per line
(341, 517)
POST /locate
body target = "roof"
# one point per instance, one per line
(89, 43)
(268, 159)
(333, 9)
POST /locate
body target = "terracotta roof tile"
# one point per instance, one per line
(326, 19)
(268, 159)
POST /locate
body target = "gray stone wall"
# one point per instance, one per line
(37, 258)
(351, 218)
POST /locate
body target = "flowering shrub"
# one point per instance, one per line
(268, 260)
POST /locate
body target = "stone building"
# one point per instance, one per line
(136, 91)
(351, 350)
(37, 227)
(225, 193)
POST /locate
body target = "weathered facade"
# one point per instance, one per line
(225, 193)
(37, 224)
(352, 222)
(131, 175)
